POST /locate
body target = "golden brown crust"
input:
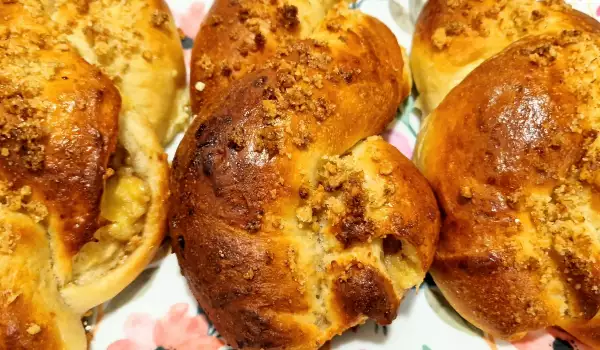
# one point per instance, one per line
(239, 36)
(137, 45)
(288, 228)
(59, 122)
(83, 184)
(453, 37)
(63, 158)
(511, 155)
(32, 317)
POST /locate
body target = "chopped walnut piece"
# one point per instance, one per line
(537, 15)
(159, 18)
(206, 64)
(33, 329)
(249, 275)
(303, 192)
(386, 168)
(439, 38)
(8, 239)
(236, 139)
(303, 137)
(542, 55)
(333, 26)
(454, 29)
(304, 214)
(466, 192)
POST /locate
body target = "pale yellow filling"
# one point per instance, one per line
(124, 203)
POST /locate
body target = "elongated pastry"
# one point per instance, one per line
(82, 185)
(289, 226)
(512, 154)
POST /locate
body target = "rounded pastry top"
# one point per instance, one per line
(453, 37)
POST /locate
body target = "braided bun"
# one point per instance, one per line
(290, 228)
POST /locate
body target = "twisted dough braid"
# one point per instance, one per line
(288, 226)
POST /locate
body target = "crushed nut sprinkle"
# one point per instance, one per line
(466, 192)
(205, 63)
(199, 86)
(34, 329)
(303, 136)
(513, 19)
(159, 18)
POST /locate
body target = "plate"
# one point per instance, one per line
(157, 311)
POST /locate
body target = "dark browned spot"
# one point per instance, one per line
(361, 290)
(243, 15)
(303, 192)
(226, 71)
(200, 131)
(391, 245)
(260, 82)
(288, 16)
(260, 40)
(354, 227)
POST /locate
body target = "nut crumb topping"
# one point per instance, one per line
(512, 19)
(34, 329)
(159, 18)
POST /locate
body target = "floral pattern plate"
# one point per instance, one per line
(157, 311)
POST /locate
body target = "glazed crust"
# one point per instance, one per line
(137, 45)
(288, 227)
(511, 155)
(58, 122)
(66, 143)
(33, 314)
(237, 37)
(40, 147)
(454, 37)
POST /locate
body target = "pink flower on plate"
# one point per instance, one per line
(175, 331)
(598, 11)
(545, 338)
(400, 141)
(535, 341)
(190, 21)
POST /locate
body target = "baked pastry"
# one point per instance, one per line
(82, 185)
(512, 155)
(453, 37)
(288, 227)
(137, 45)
